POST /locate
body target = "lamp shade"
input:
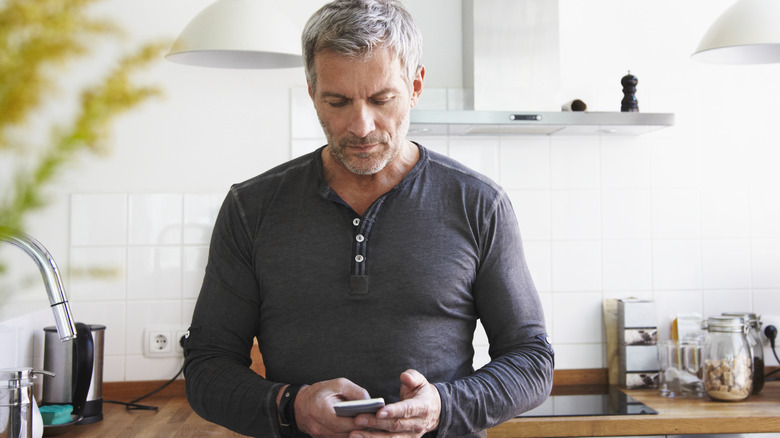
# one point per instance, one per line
(248, 34)
(746, 33)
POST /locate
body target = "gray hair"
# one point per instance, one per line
(355, 28)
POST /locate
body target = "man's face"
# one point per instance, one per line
(363, 107)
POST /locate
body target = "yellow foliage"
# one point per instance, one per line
(34, 34)
(35, 37)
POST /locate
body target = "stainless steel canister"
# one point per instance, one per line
(79, 369)
(16, 398)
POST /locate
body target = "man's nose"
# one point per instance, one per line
(362, 121)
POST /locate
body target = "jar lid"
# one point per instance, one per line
(729, 324)
(752, 318)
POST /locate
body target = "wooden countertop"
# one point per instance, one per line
(676, 416)
(174, 418)
(758, 414)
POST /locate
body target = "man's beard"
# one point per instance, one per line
(363, 163)
(368, 163)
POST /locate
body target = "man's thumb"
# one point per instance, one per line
(412, 379)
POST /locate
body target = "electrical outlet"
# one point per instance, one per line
(163, 341)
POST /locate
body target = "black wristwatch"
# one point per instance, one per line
(287, 425)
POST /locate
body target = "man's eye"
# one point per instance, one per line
(337, 103)
(382, 101)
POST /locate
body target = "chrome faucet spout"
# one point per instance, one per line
(51, 280)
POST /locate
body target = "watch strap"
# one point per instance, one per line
(287, 425)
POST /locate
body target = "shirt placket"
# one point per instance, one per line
(362, 228)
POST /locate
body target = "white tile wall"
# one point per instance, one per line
(98, 220)
(137, 260)
(525, 164)
(626, 214)
(575, 163)
(627, 265)
(155, 219)
(480, 152)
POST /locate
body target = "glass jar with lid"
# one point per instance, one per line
(728, 361)
(756, 340)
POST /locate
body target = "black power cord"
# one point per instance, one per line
(771, 333)
(134, 406)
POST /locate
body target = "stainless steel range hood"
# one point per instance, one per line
(510, 61)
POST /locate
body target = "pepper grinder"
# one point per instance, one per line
(629, 103)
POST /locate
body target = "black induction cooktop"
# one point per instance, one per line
(612, 402)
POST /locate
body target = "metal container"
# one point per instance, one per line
(79, 368)
(16, 401)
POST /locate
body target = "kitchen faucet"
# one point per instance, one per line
(51, 279)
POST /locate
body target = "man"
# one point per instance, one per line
(362, 268)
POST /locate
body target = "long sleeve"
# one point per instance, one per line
(519, 375)
(510, 384)
(220, 386)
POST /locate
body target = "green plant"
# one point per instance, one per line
(38, 38)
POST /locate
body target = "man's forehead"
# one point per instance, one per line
(338, 72)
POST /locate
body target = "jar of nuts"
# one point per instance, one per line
(756, 340)
(728, 363)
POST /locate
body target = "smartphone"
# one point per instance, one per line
(352, 408)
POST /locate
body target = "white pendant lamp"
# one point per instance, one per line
(746, 33)
(248, 34)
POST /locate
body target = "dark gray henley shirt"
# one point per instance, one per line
(329, 293)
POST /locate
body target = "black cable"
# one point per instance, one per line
(134, 406)
(771, 333)
(776, 358)
(778, 361)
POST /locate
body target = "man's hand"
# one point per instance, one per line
(314, 412)
(417, 412)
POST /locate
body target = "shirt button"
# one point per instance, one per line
(360, 238)
(356, 221)
(358, 258)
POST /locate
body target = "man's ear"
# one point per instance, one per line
(310, 89)
(417, 86)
